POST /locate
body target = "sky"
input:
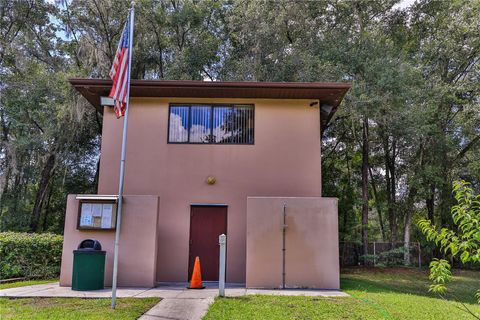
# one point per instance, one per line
(405, 3)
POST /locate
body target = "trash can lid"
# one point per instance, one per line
(89, 252)
(90, 244)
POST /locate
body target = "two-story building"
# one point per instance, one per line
(206, 158)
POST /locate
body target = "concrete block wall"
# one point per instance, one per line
(311, 238)
(137, 247)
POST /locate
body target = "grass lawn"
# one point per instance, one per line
(376, 294)
(70, 308)
(73, 308)
(17, 284)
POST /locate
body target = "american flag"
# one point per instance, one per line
(119, 73)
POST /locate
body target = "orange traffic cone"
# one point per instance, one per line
(196, 281)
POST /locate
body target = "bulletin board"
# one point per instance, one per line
(97, 215)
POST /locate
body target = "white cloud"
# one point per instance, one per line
(198, 133)
(219, 133)
(177, 132)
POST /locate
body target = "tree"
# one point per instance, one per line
(414, 75)
(446, 46)
(42, 125)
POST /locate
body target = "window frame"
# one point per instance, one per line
(212, 106)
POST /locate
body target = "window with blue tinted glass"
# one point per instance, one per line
(200, 124)
(217, 124)
(179, 123)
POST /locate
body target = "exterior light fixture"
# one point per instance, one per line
(211, 180)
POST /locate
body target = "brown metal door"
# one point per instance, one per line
(206, 224)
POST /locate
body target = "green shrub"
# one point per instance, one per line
(30, 255)
(389, 258)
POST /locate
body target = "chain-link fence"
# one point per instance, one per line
(382, 254)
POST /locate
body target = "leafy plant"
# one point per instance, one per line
(30, 255)
(390, 258)
(440, 273)
(463, 242)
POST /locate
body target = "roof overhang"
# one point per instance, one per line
(330, 94)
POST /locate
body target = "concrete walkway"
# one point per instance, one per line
(177, 303)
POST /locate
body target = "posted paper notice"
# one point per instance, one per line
(97, 209)
(107, 216)
(86, 215)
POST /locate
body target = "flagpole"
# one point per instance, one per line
(122, 162)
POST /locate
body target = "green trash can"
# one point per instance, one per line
(88, 266)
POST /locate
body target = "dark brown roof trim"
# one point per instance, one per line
(327, 92)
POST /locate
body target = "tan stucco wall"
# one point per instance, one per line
(137, 247)
(285, 161)
(311, 237)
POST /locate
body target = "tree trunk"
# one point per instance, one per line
(408, 225)
(430, 204)
(345, 212)
(7, 168)
(445, 200)
(393, 191)
(365, 152)
(445, 186)
(377, 204)
(4, 187)
(45, 177)
(17, 184)
(97, 176)
(390, 186)
(412, 193)
(46, 211)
